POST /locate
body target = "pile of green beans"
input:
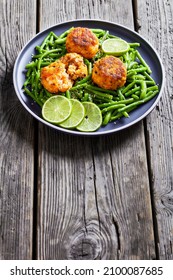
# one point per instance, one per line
(114, 104)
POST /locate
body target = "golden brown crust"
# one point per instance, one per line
(59, 76)
(54, 77)
(82, 41)
(75, 66)
(109, 73)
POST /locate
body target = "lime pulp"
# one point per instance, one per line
(92, 119)
(115, 46)
(56, 109)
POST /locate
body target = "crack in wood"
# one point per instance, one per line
(137, 26)
(115, 223)
(95, 189)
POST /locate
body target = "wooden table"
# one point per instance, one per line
(71, 197)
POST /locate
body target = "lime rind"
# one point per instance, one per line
(115, 46)
(56, 109)
(76, 116)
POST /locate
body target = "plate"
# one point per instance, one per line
(146, 50)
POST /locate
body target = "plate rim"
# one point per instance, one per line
(94, 133)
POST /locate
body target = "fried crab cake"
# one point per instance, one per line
(59, 76)
(82, 41)
(54, 77)
(109, 72)
(75, 66)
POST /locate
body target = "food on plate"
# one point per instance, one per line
(78, 65)
(54, 77)
(115, 46)
(92, 119)
(76, 116)
(83, 41)
(109, 72)
(74, 65)
(56, 109)
(59, 76)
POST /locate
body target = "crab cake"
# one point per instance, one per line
(60, 75)
(109, 72)
(82, 41)
(54, 77)
(75, 66)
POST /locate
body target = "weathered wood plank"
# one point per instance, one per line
(158, 30)
(17, 23)
(94, 200)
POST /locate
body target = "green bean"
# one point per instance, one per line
(99, 99)
(47, 93)
(68, 94)
(33, 96)
(101, 94)
(151, 83)
(135, 71)
(119, 115)
(84, 80)
(46, 53)
(143, 90)
(129, 86)
(31, 64)
(60, 41)
(96, 30)
(64, 34)
(151, 92)
(126, 101)
(43, 55)
(116, 106)
(137, 103)
(121, 96)
(107, 118)
(152, 88)
(135, 96)
(29, 72)
(107, 104)
(44, 63)
(90, 87)
(89, 68)
(45, 40)
(54, 35)
(27, 81)
(85, 97)
(78, 86)
(125, 114)
(149, 77)
(131, 65)
(39, 49)
(134, 45)
(105, 36)
(37, 77)
(143, 62)
(116, 116)
(137, 77)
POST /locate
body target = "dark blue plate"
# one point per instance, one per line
(146, 50)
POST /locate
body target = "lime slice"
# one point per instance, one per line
(56, 109)
(115, 46)
(93, 118)
(76, 116)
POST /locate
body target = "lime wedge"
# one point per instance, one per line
(76, 116)
(93, 118)
(115, 46)
(56, 109)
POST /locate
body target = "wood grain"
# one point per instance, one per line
(16, 133)
(158, 30)
(93, 196)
